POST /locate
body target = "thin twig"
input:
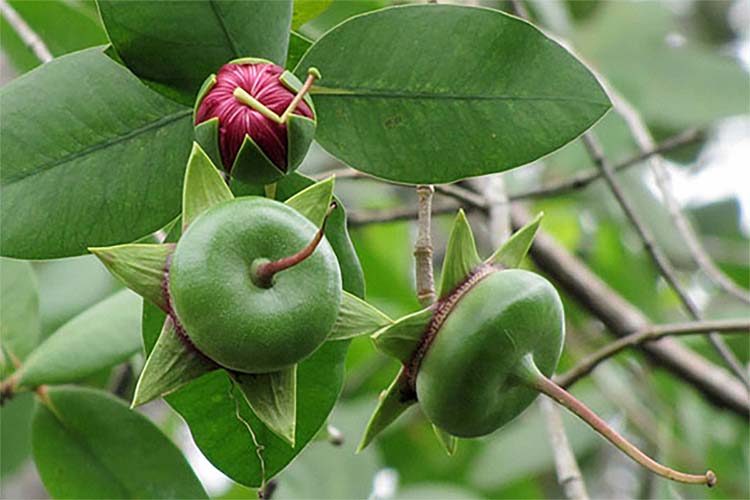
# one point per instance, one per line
(25, 33)
(518, 8)
(492, 188)
(648, 334)
(645, 142)
(423, 246)
(664, 266)
(568, 473)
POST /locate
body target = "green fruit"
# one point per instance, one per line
(466, 384)
(230, 315)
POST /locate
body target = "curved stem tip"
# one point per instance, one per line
(532, 377)
(264, 273)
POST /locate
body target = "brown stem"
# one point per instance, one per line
(531, 376)
(264, 273)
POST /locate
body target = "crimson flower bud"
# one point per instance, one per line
(254, 99)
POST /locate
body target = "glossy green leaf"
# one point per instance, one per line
(356, 318)
(88, 444)
(19, 310)
(105, 170)
(512, 252)
(460, 255)
(448, 442)
(402, 337)
(395, 401)
(406, 109)
(304, 10)
(170, 365)
(63, 25)
(203, 188)
(101, 336)
(139, 266)
(313, 201)
(273, 399)
(176, 45)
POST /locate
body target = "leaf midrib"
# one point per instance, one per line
(46, 167)
(392, 94)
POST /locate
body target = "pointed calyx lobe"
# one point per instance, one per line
(250, 99)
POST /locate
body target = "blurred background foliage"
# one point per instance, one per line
(682, 65)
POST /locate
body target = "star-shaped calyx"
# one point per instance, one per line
(175, 360)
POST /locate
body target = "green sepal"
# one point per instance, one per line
(300, 132)
(207, 135)
(448, 442)
(273, 399)
(171, 364)
(401, 338)
(460, 256)
(203, 188)
(253, 166)
(250, 60)
(392, 403)
(206, 87)
(313, 201)
(512, 252)
(139, 266)
(357, 317)
(290, 81)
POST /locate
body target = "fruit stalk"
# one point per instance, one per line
(264, 273)
(531, 376)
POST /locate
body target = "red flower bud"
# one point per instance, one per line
(239, 113)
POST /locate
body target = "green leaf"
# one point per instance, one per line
(64, 26)
(176, 45)
(402, 337)
(139, 266)
(448, 442)
(460, 255)
(19, 310)
(204, 186)
(396, 400)
(88, 444)
(88, 161)
(101, 336)
(313, 201)
(406, 109)
(273, 399)
(15, 433)
(298, 45)
(512, 252)
(170, 365)
(304, 10)
(357, 317)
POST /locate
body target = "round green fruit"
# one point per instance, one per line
(467, 383)
(237, 320)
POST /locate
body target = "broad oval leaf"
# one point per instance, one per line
(90, 157)
(88, 444)
(176, 45)
(19, 311)
(437, 93)
(102, 336)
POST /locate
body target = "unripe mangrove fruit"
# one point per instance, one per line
(258, 114)
(481, 355)
(254, 285)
